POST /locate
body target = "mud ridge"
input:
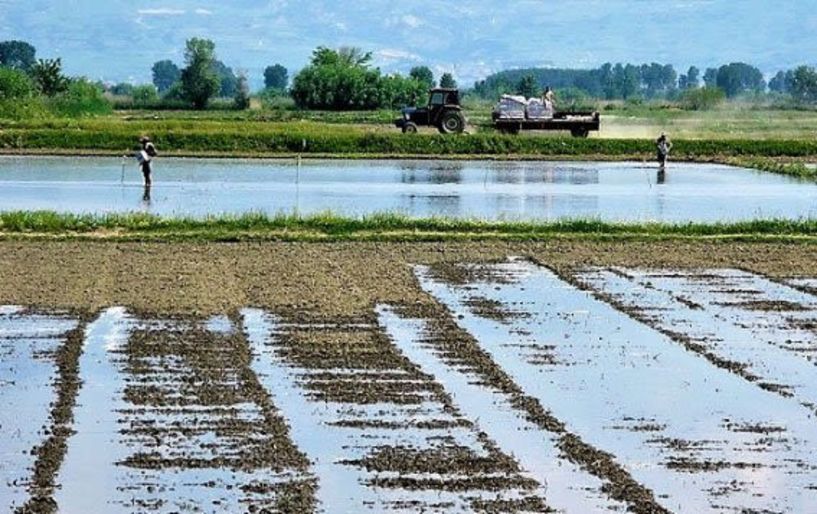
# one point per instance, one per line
(51, 453)
(460, 349)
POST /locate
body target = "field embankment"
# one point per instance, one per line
(329, 227)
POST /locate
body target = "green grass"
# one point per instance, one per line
(377, 227)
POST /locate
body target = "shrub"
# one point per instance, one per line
(702, 99)
(82, 98)
(15, 85)
(144, 94)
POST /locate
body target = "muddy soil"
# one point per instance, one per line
(198, 383)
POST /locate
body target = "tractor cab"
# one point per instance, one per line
(443, 111)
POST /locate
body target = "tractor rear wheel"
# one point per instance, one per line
(410, 128)
(452, 122)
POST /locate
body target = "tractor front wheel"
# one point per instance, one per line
(410, 128)
(452, 123)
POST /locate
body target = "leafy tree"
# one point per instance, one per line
(47, 74)
(693, 78)
(527, 87)
(738, 77)
(15, 85)
(165, 74)
(228, 82)
(778, 83)
(144, 94)
(242, 92)
(276, 77)
(342, 80)
(199, 80)
(423, 74)
(17, 54)
(711, 77)
(804, 84)
(447, 81)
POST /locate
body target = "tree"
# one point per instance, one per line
(778, 83)
(527, 87)
(47, 74)
(199, 80)
(242, 92)
(447, 81)
(228, 82)
(15, 85)
(423, 74)
(804, 84)
(693, 78)
(18, 55)
(165, 74)
(738, 77)
(711, 77)
(342, 80)
(276, 77)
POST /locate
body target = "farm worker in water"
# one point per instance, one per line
(664, 145)
(145, 156)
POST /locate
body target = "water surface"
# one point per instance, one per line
(473, 189)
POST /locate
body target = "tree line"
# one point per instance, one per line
(625, 81)
(344, 79)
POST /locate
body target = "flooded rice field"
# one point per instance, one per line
(489, 190)
(512, 388)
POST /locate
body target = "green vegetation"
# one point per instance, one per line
(246, 138)
(199, 80)
(328, 226)
(343, 80)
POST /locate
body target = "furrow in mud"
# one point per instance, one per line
(382, 435)
(32, 354)
(569, 487)
(745, 323)
(171, 418)
(699, 438)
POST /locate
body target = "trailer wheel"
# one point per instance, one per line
(452, 123)
(580, 132)
(410, 128)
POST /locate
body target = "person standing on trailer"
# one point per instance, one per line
(145, 156)
(664, 146)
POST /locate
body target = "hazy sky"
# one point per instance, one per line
(118, 41)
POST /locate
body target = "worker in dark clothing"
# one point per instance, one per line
(145, 156)
(664, 146)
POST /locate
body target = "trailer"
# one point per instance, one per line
(579, 123)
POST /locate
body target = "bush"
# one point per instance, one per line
(145, 94)
(702, 99)
(82, 98)
(32, 108)
(15, 85)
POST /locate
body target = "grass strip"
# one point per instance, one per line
(320, 139)
(328, 226)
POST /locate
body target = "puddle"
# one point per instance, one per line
(566, 487)
(702, 439)
(381, 443)
(745, 319)
(160, 429)
(490, 190)
(27, 373)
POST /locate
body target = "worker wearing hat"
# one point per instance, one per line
(145, 157)
(664, 145)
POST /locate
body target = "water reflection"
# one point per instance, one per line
(490, 190)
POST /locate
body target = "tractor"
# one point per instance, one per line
(443, 111)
